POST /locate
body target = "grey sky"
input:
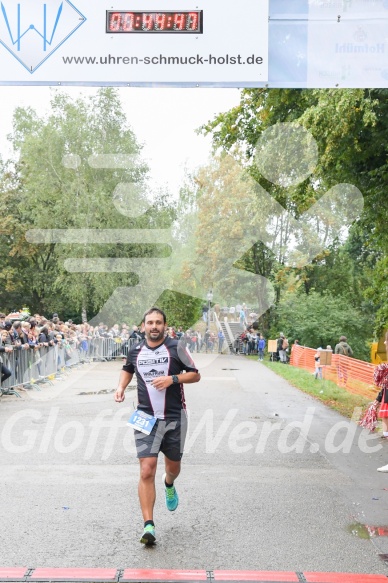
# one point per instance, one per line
(164, 120)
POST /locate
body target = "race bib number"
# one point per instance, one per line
(142, 422)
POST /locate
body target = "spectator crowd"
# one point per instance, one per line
(21, 332)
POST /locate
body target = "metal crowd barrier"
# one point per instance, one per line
(108, 348)
(34, 366)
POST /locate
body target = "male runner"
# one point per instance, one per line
(161, 410)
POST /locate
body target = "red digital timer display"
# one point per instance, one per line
(184, 21)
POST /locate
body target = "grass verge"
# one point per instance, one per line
(325, 391)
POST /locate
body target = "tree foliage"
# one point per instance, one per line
(351, 130)
(236, 215)
(77, 168)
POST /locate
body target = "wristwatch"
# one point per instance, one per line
(175, 379)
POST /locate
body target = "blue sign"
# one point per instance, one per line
(142, 422)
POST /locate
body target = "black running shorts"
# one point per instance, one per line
(167, 436)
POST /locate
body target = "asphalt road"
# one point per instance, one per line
(271, 479)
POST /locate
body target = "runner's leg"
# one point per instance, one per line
(147, 486)
(172, 470)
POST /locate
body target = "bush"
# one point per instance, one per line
(320, 319)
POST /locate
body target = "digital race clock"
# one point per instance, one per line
(182, 21)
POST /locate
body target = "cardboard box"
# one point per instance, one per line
(325, 357)
(272, 346)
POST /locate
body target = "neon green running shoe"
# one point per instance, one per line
(148, 537)
(172, 499)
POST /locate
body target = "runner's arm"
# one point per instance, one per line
(189, 377)
(164, 382)
(124, 380)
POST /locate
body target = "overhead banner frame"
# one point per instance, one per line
(133, 43)
(195, 43)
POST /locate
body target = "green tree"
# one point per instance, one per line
(320, 319)
(77, 168)
(351, 130)
(181, 310)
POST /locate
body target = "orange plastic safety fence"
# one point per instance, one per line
(356, 376)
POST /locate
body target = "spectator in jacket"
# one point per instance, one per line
(6, 333)
(343, 347)
(282, 345)
(252, 341)
(260, 347)
(318, 368)
(206, 339)
(43, 337)
(4, 371)
(221, 339)
(19, 335)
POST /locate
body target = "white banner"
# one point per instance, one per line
(355, 54)
(188, 41)
(348, 43)
(278, 43)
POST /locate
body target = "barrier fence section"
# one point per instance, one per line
(36, 365)
(354, 375)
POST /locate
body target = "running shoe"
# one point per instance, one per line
(172, 499)
(148, 537)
